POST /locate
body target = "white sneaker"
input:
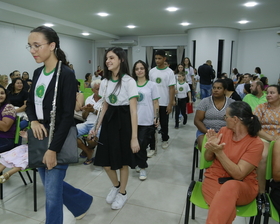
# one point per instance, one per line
(112, 195)
(137, 169)
(143, 174)
(150, 153)
(119, 201)
(165, 144)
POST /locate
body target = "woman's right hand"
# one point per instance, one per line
(39, 130)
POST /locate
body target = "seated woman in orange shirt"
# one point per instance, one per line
(236, 151)
(268, 114)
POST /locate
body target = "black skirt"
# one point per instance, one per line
(114, 141)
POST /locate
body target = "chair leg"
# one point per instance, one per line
(1, 189)
(187, 212)
(29, 177)
(195, 155)
(193, 211)
(22, 178)
(35, 189)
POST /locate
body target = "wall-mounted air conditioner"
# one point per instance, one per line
(124, 42)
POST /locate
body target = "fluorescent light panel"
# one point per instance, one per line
(172, 9)
(103, 14)
(243, 21)
(131, 26)
(48, 24)
(85, 34)
(250, 4)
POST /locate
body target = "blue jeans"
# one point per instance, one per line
(205, 91)
(59, 192)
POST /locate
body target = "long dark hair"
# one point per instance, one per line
(51, 36)
(145, 68)
(189, 65)
(13, 84)
(124, 68)
(6, 100)
(243, 111)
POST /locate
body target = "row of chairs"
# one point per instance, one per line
(16, 141)
(253, 210)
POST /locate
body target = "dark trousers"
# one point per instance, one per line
(181, 107)
(164, 119)
(144, 137)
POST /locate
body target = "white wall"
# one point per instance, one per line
(14, 56)
(207, 42)
(258, 48)
(251, 49)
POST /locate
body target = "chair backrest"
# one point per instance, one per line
(203, 163)
(268, 171)
(88, 90)
(17, 130)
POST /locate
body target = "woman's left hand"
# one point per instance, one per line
(49, 159)
(134, 144)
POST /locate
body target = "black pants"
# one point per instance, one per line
(275, 194)
(181, 107)
(164, 119)
(144, 137)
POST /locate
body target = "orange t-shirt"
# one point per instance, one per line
(248, 149)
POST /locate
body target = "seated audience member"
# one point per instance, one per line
(16, 158)
(96, 76)
(99, 71)
(275, 183)
(235, 74)
(239, 80)
(256, 96)
(211, 110)
(80, 101)
(7, 122)
(13, 75)
(246, 80)
(29, 82)
(88, 78)
(264, 80)
(230, 91)
(25, 77)
(268, 114)
(4, 80)
(235, 151)
(18, 97)
(247, 89)
(90, 110)
(224, 75)
(258, 72)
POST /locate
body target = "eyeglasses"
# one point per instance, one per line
(35, 47)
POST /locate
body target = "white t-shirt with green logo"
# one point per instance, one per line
(145, 107)
(189, 73)
(163, 78)
(122, 95)
(40, 91)
(183, 89)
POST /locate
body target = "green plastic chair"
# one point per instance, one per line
(195, 196)
(16, 141)
(270, 210)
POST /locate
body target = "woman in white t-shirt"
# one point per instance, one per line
(118, 135)
(189, 73)
(147, 111)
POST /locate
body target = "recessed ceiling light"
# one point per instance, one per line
(131, 26)
(103, 14)
(243, 21)
(185, 24)
(250, 4)
(172, 9)
(48, 24)
(85, 34)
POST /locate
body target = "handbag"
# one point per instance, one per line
(189, 108)
(37, 148)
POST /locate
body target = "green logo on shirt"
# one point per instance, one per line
(158, 80)
(181, 89)
(40, 91)
(141, 97)
(113, 98)
(186, 72)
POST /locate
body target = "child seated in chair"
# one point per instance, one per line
(16, 158)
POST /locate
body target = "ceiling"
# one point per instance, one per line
(72, 17)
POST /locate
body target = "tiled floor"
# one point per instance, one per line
(159, 199)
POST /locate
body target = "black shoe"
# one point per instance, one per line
(176, 126)
(185, 121)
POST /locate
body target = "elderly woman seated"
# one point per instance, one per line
(236, 152)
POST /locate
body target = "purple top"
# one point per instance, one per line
(9, 111)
